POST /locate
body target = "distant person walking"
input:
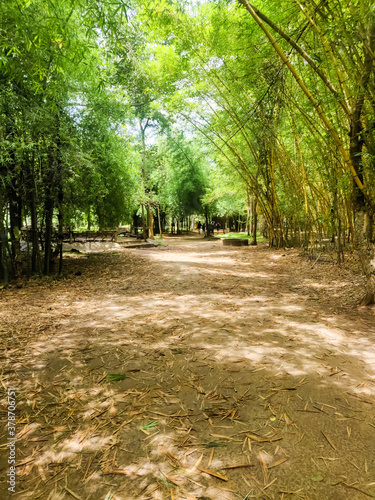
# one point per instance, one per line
(218, 226)
(199, 226)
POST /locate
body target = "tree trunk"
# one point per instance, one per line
(159, 222)
(366, 253)
(15, 217)
(143, 222)
(89, 218)
(35, 254)
(48, 233)
(143, 139)
(255, 221)
(363, 210)
(248, 211)
(339, 248)
(60, 217)
(3, 245)
(150, 223)
(208, 228)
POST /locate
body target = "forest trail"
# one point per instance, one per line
(191, 371)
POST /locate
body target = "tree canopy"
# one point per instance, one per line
(113, 108)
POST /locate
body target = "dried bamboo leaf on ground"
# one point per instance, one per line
(259, 439)
(328, 439)
(72, 493)
(351, 486)
(212, 473)
(278, 462)
(51, 406)
(264, 468)
(239, 466)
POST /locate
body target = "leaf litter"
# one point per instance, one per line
(142, 382)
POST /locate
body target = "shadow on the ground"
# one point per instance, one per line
(179, 365)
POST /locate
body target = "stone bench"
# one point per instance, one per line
(235, 242)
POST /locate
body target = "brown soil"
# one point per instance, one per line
(245, 373)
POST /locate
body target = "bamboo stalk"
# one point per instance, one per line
(330, 128)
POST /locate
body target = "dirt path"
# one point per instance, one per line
(191, 371)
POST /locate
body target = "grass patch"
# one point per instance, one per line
(241, 236)
(154, 423)
(214, 444)
(115, 377)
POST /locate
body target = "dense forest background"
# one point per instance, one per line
(114, 111)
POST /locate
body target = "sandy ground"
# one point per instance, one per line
(190, 371)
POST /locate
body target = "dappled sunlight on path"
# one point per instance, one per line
(191, 371)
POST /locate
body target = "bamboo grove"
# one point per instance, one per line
(287, 100)
(61, 150)
(280, 101)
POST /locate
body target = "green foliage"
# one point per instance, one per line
(150, 425)
(177, 175)
(185, 107)
(232, 88)
(64, 150)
